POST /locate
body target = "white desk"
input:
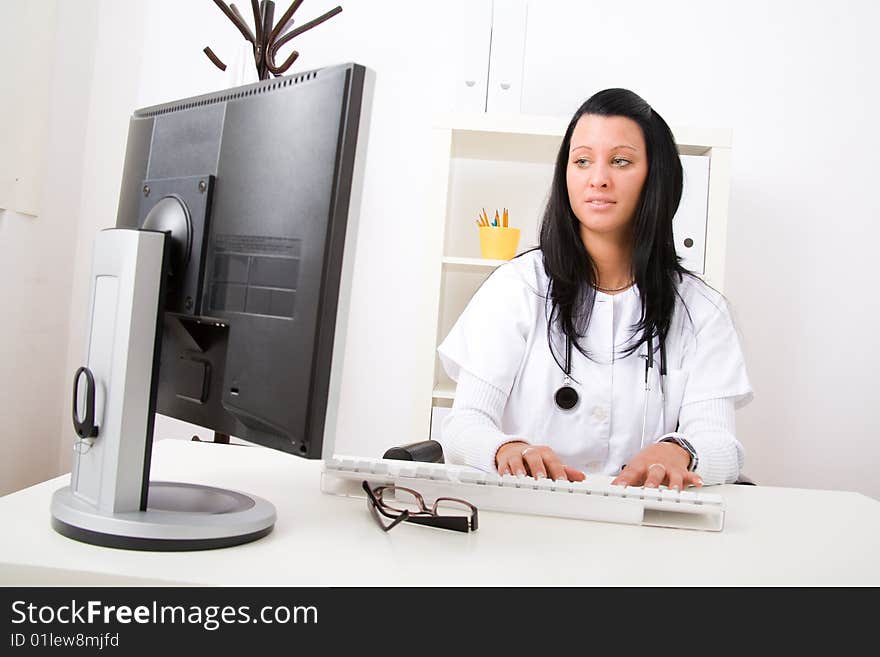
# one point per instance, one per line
(772, 536)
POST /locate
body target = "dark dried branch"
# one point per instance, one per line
(267, 9)
(289, 23)
(214, 58)
(242, 27)
(302, 28)
(258, 24)
(250, 35)
(285, 19)
(268, 37)
(280, 70)
(284, 31)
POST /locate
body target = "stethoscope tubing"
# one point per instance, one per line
(649, 367)
(567, 398)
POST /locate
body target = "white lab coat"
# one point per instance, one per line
(501, 338)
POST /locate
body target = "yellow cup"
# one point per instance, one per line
(498, 243)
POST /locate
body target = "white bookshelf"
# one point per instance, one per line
(476, 264)
(495, 161)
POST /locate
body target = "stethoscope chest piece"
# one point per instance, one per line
(566, 397)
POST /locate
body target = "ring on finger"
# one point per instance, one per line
(526, 451)
(657, 464)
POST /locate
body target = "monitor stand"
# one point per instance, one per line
(110, 500)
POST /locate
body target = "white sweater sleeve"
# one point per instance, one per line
(709, 425)
(471, 433)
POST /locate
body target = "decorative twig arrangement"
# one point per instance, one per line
(267, 39)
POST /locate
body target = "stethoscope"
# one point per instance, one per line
(567, 397)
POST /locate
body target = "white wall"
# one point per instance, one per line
(791, 79)
(44, 74)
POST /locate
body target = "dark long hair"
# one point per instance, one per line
(655, 265)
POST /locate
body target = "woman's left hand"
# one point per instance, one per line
(658, 464)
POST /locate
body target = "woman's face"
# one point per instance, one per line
(607, 167)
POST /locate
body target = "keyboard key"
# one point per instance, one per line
(650, 494)
(580, 487)
(472, 477)
(668, 495)
(365, 465)
(597, 488)
(408, 471)
(634, 492)
(562, 485)
(710, 498)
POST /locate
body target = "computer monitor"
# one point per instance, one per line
(250, 194)
(252, 302)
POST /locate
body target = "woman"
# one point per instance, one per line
(553, 354)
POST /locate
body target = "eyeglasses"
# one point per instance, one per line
(400, 504)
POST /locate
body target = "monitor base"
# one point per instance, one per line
(179, 517)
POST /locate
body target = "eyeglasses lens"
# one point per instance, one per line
(447, 507)
(401, 499)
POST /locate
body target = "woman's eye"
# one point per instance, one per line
(582, 161)
(620, 162)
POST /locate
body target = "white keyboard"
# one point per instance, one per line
(592, 499)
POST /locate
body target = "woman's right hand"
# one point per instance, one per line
(536, 460)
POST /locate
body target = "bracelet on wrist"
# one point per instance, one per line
(685, 444)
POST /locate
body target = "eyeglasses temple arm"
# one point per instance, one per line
(455, 523)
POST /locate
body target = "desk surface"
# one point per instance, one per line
(772, 536)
